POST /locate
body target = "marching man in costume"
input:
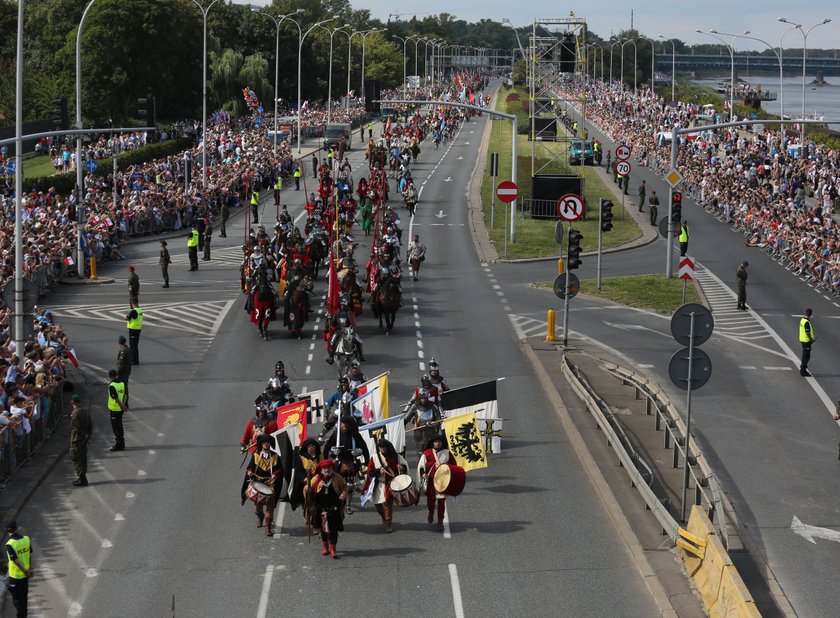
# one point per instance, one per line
(382, 468)
(264, 468)
(326, 495)
(434, 456)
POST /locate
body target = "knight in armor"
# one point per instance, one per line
(355, 375)
(437, 379)
(425, 416)
(260, 424)
(435, 455)
(383, 467)
(431, 389)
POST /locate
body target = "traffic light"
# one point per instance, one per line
(574, 249)
(606, 215)
(146, 109)
(60, 115)
(676, 207)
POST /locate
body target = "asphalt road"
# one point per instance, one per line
(161, 524)
(767, 431)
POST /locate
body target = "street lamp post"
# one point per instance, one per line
(404, 41)
(329, 81)
(350, 36)
(673, 66)
(276, 63)
(17, 322)
(204, 12)
(363, 36)
(80, 188)
(618, 42)
(301, 36)
(652, 64)
(712, 33)
(805, 34)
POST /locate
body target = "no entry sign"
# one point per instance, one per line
(507, 191)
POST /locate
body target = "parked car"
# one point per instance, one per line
(580, 148)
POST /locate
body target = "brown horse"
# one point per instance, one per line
(385, 302)
(262, 304)
(297, 307)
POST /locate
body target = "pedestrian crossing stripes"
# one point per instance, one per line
(197, 318)
(729, 320)
(526, 327)
(231, 256)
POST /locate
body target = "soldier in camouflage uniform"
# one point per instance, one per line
(124, 364)
(81, 429)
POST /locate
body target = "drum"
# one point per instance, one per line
(259, 492)
(449, 480)
(404, 490)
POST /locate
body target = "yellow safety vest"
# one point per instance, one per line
(255, 198)
(193, 239)
(330, 154)
(278, 184)
(803, 334)
(684, 233)
(114, 404)
(136, 323)
(23, 550)
(297, 173)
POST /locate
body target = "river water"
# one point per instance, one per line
(822, 100)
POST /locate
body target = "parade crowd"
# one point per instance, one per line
(780, 193)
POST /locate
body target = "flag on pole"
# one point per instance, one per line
(71, 354)
(285, 444)
(388, 126)
(316, 411)
(393, 430)
(478, 398)
(68, 261)
(293, 414)
(333, 302)
(464, 439)
(372, 400)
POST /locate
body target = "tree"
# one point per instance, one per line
(520, 72)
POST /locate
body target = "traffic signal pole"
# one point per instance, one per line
(669, 244)
(566, 301)
(600, 237)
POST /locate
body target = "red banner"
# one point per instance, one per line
(293, 413)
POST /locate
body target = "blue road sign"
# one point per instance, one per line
(91, 166)
(10, 167)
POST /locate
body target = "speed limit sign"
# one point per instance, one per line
(622, 152)
(623, 168)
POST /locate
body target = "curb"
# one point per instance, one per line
(599, 484)
(77, 281)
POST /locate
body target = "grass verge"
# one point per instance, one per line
(652, 292)
(535, 237)
(38, 166)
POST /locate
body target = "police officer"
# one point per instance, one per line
(192, 248)
(654, 208)
(117, 406)
(370, 131)
(123, 363)
(806, 338)
(208, 234)
(165, 261)
(684, 238)
(133, 286)
(134, 322)
(278, 187)
(81, 430)
(255, 206)
(298, 173)
(742, 285)
(19, 553)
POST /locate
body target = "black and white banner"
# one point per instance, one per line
(481, 399)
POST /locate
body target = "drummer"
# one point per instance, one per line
(435, 455)
(265, 468)
(383, 467)
(326, 495)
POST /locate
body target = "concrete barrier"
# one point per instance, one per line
(707, 562)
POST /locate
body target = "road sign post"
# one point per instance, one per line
(494, 171)
(622, 153)
(570, 207)
(686, 273)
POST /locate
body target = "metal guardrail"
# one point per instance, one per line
(660, 511)
(707, 492)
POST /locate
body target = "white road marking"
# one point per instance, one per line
(778, 368)
(646, 366)
(266, 588)
(456, 591)
(747, 367)
(447, 531)
(119, 517)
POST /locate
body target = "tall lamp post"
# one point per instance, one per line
(805, 34)
(364, 34)
(673, 65)
(404, 41)
(712, 33)
(80, 188)
(17, 323)
(652, 63)
(301, 36)
(204, 12)
(618, 42)
(277, 23)
(329, 81)
(350, 36)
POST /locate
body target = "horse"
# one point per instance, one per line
(386, 300)
(350, 285)
(262, 303)
(297, 307)
(346, 350)
(316, 250)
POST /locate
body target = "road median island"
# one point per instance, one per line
(535, 236)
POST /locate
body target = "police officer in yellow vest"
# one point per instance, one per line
(116, 408)
(255, 206)
(19, 553)
(192, 247)
(134, 322)
(683, 238)
(278, 186)
(370, 131)
(298, 173)
(806, 338)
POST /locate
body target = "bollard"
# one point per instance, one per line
(93, 276)
(549, 336)
(561, 266)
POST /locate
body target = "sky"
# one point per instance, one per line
(651, 17)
